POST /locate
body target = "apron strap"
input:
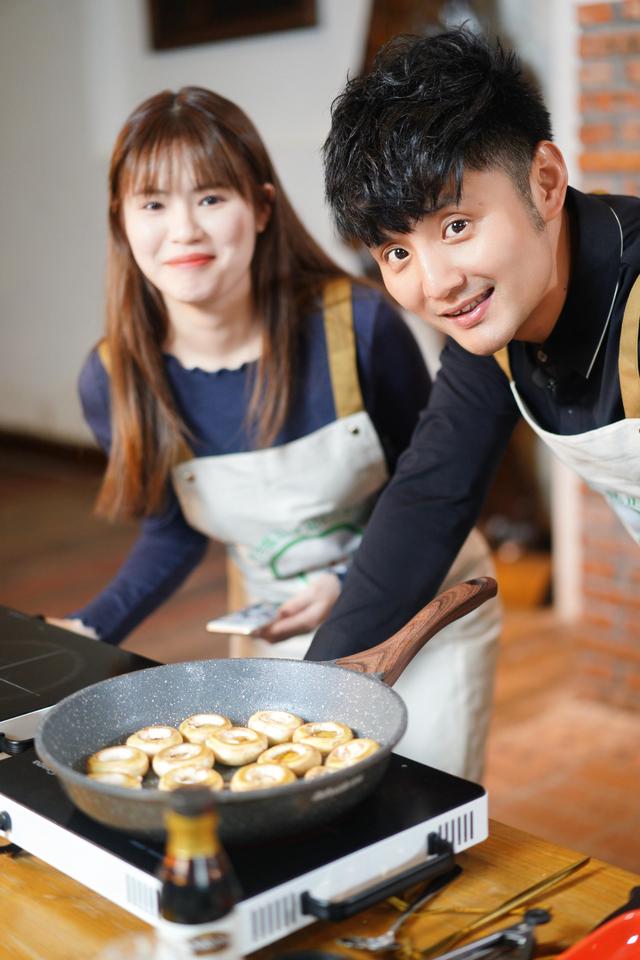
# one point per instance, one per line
(341, 347)
(628, 357)
(105, 356)
(185, 452)
(502, 358)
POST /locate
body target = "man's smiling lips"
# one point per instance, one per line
(190, 260)
(471, 312)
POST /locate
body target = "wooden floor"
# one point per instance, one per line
(564, 768)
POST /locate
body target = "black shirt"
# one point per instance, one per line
(570, 384)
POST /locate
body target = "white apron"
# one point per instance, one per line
(289, 512)
(608, 458)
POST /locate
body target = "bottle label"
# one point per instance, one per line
(216, 939)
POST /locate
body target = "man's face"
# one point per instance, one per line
(482, 271)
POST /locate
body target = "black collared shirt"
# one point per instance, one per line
(570, 384)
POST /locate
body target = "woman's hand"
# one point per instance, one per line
(304, 612)
(76, 626)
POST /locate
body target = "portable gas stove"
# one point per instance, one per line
(406, 830)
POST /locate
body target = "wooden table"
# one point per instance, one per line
(46, 916)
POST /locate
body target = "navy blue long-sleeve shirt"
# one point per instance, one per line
(395, 387)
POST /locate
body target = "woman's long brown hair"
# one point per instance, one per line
(288, 272)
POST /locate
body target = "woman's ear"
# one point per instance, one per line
(548, 179)
(263, 214)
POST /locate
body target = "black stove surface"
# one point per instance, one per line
(409, 794)
(41, 664)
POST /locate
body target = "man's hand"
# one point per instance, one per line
(304, 612)
(76, 626)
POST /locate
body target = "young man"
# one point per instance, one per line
(441, 162)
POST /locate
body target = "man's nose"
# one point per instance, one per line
(440, 275)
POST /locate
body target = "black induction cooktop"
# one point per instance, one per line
(41, 664)
(409, 794)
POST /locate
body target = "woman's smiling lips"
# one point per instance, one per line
(190, 260)
(472, 312)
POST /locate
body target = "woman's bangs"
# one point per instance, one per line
(160, 161)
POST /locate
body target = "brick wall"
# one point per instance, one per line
(610, 96)
(609, 658)
(609, 655)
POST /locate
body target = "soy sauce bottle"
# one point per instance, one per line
(199, 889)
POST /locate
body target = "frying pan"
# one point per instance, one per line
(349, 690)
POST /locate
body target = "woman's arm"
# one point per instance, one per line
(165, 552)
(161, 558)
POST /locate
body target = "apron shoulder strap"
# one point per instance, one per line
(502, 358)
(105, 356)
(341, 347)
(628, 356)
(185, 452)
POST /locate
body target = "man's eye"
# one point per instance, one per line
(455, 228)
(395, 254)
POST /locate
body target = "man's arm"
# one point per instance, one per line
(425, 514)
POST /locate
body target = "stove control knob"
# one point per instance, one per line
(5, 822)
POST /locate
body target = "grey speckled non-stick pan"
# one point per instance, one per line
(107, 712)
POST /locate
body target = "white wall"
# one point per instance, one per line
(70, 72)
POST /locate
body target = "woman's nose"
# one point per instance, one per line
(184, 224)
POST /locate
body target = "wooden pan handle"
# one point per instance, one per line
(391, 657)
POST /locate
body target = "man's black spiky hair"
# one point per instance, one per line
(402, 136)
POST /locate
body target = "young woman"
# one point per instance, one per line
(247, 389)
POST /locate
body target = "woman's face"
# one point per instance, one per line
(194, 241)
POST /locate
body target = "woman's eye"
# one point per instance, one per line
(455, 228)
(152, 205)
(210, 200)
(396, 254)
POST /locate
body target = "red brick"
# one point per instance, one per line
(630, 130)
(629, 654)
(614, 597)
(591, 133)
(624, 656)
(632, 70)
(601, 546)
(631, 187)
(615, 161)
(609, 44)
(594, 651)
(599, 569)
(596, 73)
(631, 9)
(591, 13)
(594, 619)
(632, 687)
(596, 672)
(610, 101)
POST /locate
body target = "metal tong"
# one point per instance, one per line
(516, 942)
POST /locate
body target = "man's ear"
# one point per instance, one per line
(548, 179)
(263, 215)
